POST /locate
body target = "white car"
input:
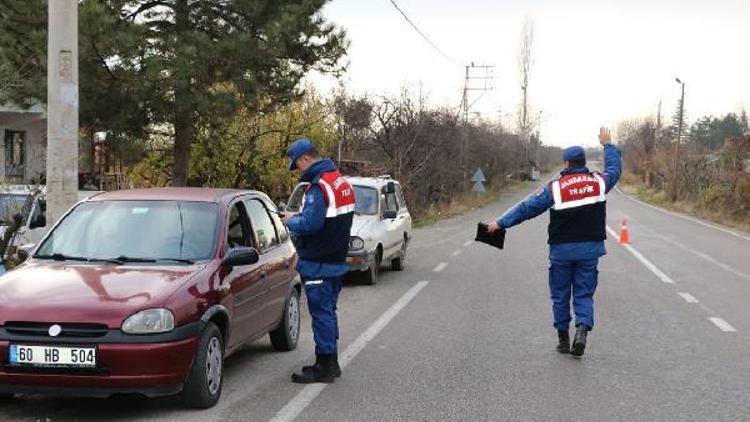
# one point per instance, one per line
(382, 225)
(15, 199)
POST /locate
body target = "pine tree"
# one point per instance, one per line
(150, 63)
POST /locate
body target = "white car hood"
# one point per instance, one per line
(361, 224)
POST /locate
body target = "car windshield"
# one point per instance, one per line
(366, 200)
(11, 204)
(134, 230)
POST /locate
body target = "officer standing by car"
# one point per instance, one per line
(577, 230)
(321, 231)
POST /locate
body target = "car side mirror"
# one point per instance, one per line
(390, 215)
(240, 256)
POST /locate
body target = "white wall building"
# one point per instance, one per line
(24, 138)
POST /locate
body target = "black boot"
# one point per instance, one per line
(579, 341)
(322, 371)
(564, 345)
(336, 367)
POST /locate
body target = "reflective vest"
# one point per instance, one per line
(580, 208)
(331, 245)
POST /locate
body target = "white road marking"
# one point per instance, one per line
(723, 325)
(440, 267)
(456, 253)
(293, 409)
(648, 264)
(684, 217)
(707, 257)
(688, 297)
(467, 243)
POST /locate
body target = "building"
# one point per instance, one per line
(23, 152)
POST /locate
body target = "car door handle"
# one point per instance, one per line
(263, 274)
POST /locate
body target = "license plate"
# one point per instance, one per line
(52, 356)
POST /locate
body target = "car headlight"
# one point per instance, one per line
(149, 321)
(356, 243)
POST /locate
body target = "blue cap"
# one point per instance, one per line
(575, 153)
(299, 148)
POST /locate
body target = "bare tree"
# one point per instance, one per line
(525, 64)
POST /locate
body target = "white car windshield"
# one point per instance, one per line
(144, 230)
(366, 200)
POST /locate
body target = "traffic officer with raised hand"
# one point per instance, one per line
(321, 231)
(577, 230)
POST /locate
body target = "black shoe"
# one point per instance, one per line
(323, 371)
(336, 367)
(579, 341)
(564, 345)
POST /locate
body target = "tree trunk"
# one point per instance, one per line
(183, 134)
(183, 129)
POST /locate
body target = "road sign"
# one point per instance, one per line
(479, 180)
(478, 177)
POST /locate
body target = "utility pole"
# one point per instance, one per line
(680, 124)
(62, 108)
(484, 86)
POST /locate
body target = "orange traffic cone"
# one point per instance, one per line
(624, 237)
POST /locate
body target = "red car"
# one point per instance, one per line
(147, 291)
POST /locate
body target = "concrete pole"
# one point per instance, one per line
(62, 108)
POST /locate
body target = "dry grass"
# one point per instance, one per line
(631, 185)
(466, 202)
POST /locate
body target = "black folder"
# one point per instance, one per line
(496, 239)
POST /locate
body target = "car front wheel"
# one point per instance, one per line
(398, 264)
(285, 336)
(203, 386)
(370, 276)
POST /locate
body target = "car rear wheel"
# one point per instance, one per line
(285, 337)
(203, 386)
(370, 277)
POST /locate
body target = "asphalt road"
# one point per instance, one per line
(465, 334)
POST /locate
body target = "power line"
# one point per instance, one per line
(447, 57)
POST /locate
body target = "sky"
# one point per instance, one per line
(596, 62)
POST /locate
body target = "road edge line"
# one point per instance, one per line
(684, 217)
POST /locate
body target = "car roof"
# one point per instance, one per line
(369, 181)
(174, 194)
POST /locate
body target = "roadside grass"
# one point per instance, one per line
(633, 186)
(466, 202)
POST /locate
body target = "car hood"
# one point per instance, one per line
(43, 291)
(362, 224)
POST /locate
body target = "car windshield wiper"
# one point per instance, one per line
(183, 260)
(62, 257)
(123, 259)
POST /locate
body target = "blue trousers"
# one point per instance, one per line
(577, 279)
(322, 297)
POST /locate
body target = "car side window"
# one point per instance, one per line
(265, 230)
(281, 230)
(239, 229)
(39, 214)
(400, 197)
(391, 203)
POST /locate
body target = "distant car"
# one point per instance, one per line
(31, 203)
(382, 225)
(147, 291)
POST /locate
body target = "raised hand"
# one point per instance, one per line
(604, 136)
